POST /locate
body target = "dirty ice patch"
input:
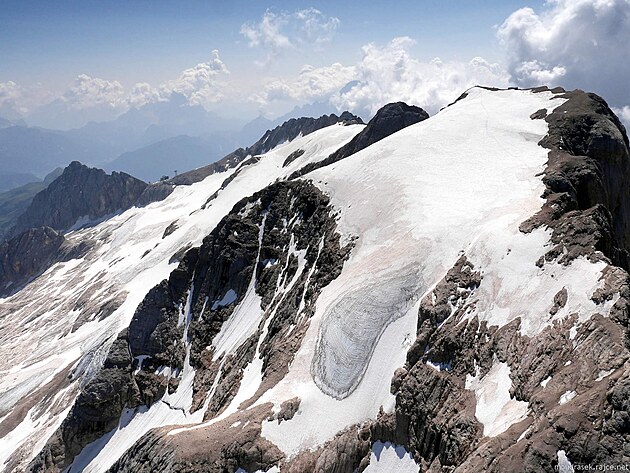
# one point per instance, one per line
(495, 408)
(352, 326)
(387, 458)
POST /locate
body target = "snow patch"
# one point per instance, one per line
(564, 465)
(495, 408)
(604, 373)
(229, 297)
(388, 458)
(566, 397)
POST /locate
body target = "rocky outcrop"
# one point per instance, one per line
(587, 200)
(226, 446)
(30, 253)
(154, 193)
(388, 120)
(80, 193)
(288, 131)
(281, 243)
(587, 209)
(26, 256)
(95, 412)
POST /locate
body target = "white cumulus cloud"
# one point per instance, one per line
(91, 98)
(390, 73)
(574, 43)
(200, 84)
(88, 91)
(17, 101)
(276, 32)
(10, 100)
(386, 74)
(624, 115)
(311, 84)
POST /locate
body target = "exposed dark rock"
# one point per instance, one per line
(26, 256)
(95, 412)
(154, 192)
(587, 200)
(170, 229)
(388, 120)
(292, 157)
(226, 262)
(80, 192)
(559, 301)
(226, 446)
(287, 410)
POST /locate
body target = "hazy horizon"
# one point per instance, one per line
(93, 61)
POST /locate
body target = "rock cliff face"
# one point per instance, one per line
(26, 256)
(448, 299)
(29, 254)
(80, 193)
(586, 208)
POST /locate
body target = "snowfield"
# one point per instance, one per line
(129, 258)
(458, 183)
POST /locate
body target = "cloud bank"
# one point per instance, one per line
(390, 73)
(574, 43)
(96, 99)
(385, 74)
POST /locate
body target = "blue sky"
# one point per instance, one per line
(151, 40)
(250, 57)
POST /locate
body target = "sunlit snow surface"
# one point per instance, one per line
(389, 458)
(461, 181)
(130, 256)
(495, 409)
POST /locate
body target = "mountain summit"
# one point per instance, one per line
(450, 294)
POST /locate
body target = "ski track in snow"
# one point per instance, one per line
(461, 181)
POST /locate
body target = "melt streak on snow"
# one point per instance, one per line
(54, 324)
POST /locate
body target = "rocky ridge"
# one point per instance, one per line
(288, 131)
(80, 192)
(280, 247)
(388, 120)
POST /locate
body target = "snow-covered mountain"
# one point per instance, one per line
(451, 294)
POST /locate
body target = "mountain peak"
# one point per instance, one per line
(80, 192)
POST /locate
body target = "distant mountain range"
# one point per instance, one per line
(147, 142)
